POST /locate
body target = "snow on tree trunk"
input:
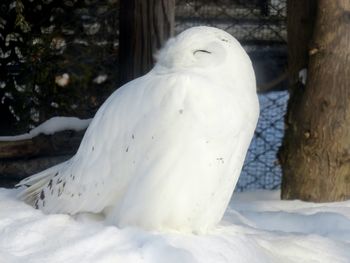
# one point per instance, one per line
(315, 157)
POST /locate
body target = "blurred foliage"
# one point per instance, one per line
(56, 58)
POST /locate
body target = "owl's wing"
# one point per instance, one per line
(85, 182)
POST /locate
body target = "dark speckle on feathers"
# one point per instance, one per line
(93, 148)
(50, 184)
(42, 195)
(127, 149)
(55, 174)
(59, 181)
(36, 204)
(132, 136)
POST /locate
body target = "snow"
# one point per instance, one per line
(303, 75)
(100, 79)
(62, 80)
(51, 126)
(257, 227)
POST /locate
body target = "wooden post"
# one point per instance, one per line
(144, 27)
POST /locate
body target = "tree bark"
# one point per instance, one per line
(60, 143)
(315, 156)
(144, 27)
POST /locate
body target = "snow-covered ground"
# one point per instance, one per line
(257, 227)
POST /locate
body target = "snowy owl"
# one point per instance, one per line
(165, 150)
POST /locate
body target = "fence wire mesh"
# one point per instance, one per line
(250, 21)
(261, 169)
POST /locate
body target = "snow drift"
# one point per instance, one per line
(257, 227)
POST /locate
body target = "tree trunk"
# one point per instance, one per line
(144, 27)
(315, 157)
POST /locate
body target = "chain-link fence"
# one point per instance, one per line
(261, 169)
(252, 22)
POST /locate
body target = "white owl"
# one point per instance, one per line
(165, 151)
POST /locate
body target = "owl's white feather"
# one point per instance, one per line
(165, 150)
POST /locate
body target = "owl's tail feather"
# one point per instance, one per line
(36, 182)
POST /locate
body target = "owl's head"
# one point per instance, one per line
(203, 48)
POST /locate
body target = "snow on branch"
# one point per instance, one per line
(51, 126)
